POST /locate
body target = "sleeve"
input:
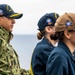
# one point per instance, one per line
(4, 67)
(24, 72)
(37, 64)
(56, 65)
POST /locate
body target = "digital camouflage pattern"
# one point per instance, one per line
(9, 63)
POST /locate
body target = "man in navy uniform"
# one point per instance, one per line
(9, 63)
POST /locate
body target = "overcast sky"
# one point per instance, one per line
(32, 11)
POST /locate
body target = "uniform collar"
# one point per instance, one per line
(4, 34)
(74, 54)
(65, 48)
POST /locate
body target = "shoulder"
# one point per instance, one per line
(44, 45)
(58, 54)
(56, 60)
(42, 48)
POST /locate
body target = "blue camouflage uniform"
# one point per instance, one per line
(39, 57)
(9, 63)
(61, 61)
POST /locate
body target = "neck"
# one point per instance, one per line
(53, 42)
(7, 36)
(70, 46)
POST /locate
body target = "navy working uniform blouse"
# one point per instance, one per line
(61, 61)
(40, 56)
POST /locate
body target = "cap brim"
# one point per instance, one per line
(16, 15)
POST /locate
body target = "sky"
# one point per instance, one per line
(34, 9)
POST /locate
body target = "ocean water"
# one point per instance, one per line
(24, 46)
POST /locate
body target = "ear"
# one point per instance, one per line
(48, 29)
(67, 34)
(0, 20)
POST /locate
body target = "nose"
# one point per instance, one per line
(13, 21)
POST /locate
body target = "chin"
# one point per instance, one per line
(10, 31)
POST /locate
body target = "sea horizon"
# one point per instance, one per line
(24, 46)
